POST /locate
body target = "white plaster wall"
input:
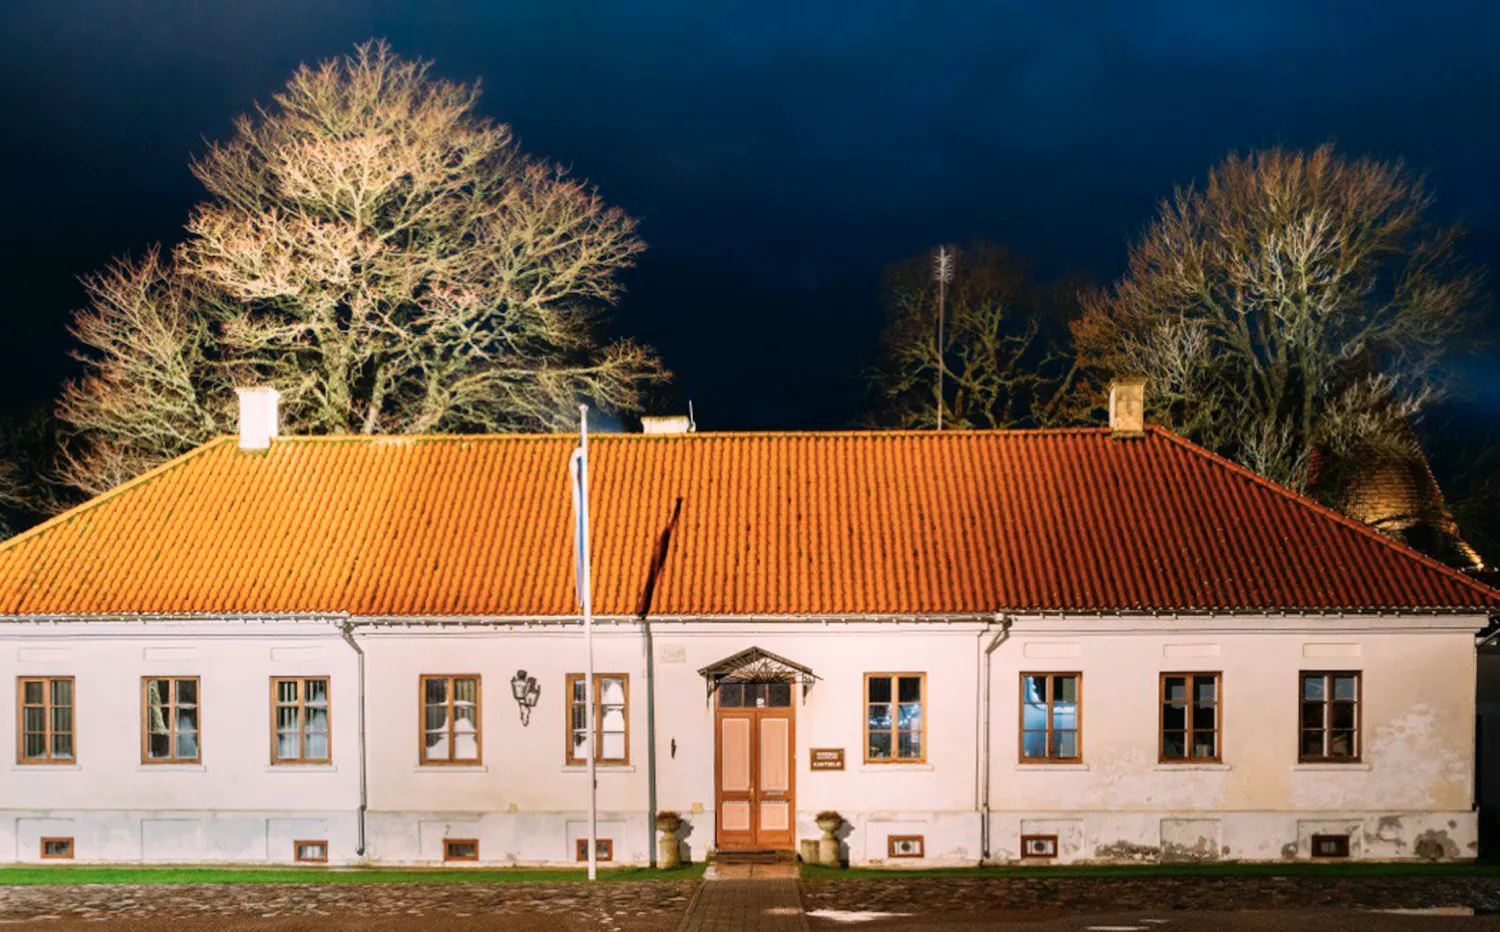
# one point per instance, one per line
(231, 806)
(524, 769)
(527, 806)
(235, 666)
(1417, 732)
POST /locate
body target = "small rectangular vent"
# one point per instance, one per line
(460, 849)
(1038, 846)
(57, 849)
(905, 846)
(1330, 846)
(604, 849)
(310, 852)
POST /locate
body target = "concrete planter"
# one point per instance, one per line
(668, 847)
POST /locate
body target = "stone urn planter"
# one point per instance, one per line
(668, 847)
(828, 846)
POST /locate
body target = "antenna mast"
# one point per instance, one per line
(942, 273)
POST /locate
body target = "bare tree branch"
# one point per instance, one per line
(1000, 361)
(1296, 303)
(381, 254)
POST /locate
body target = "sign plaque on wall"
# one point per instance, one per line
(826, 758)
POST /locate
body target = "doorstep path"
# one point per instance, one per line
(741, 901)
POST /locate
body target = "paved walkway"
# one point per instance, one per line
(746, 906)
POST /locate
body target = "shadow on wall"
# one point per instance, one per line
(684, 848)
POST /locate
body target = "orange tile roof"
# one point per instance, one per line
(773, 524)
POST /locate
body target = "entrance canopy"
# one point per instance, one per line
(755, 664)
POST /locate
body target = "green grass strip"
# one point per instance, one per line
(1104, 872)
(60, 875)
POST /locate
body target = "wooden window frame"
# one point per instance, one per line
(1161, 717)
(301, 706)
(1326, 729)
(891, 841)
(581, 850)
(48, 760)
(450, 858)
(598, 744)
(42, 848)
(297, 851)
(1341, 841)
(895, 731)
(1021, 722)
(1026, 855)
(146, 758)
(478, 759)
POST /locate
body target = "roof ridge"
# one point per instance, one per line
(700, 435)
(105, 498)
(1359, 527)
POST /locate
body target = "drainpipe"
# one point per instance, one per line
(984, 744)
(650, 742)
(347, 630)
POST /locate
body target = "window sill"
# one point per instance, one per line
(450, 768)
(894, 767)
(302, 768)
(1041, 768)
(1172, 767)
(171, 768)
(1330, 767)
(44, 768)
(598, 768)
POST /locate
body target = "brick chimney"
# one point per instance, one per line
(1127, 407)
(258, 417)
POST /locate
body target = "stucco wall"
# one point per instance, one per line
(1410, 795)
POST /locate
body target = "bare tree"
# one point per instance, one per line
(154, 387)
(380, 253)
(998, 363)
(1296, 302)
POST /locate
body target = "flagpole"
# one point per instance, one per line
(586, 589)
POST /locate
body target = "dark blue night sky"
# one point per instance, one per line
(779, 157)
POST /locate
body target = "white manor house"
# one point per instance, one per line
(1044, 646)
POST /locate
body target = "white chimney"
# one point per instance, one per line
(671, 424)
(1127, 407)
(258, 417)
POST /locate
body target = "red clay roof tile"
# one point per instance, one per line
(713, 524)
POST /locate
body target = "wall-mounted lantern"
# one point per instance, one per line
(527, 691)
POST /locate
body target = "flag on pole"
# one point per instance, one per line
(578, 474)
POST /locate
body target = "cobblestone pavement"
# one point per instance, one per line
(746, 906)
(1096, 895)
(621, 906)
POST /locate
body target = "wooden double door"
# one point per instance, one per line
(755, 775)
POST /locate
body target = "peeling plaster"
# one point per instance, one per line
(1127, 851)
(1435, 845)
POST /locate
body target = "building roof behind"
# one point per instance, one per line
(714, 524)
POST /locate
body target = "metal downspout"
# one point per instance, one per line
(347, 630)
(984, 791)
(650, 742)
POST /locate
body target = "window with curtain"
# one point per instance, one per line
(450, 720)
(1191, 725)
(1330, 717)
(895, 725)
(300, 720)
(1049, 717)
(46, 725)
(171, 724)
(611, 719)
